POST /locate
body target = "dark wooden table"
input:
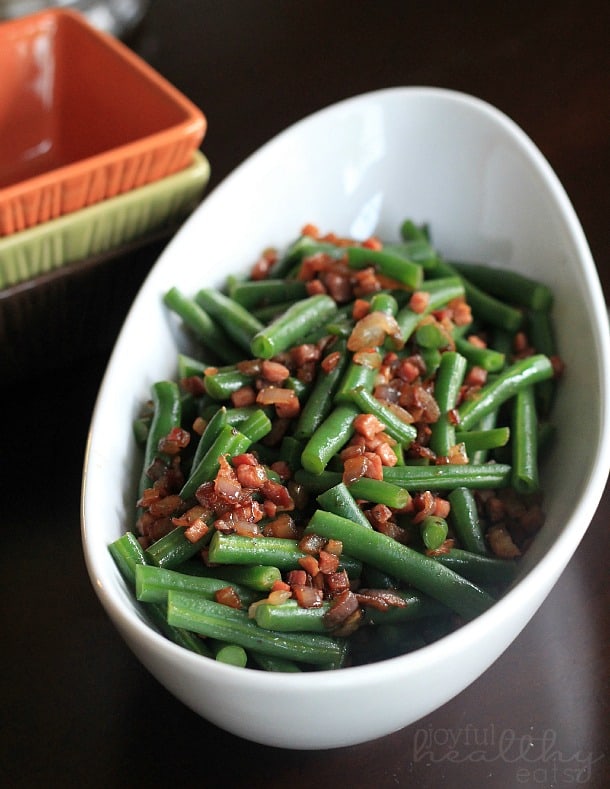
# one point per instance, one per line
(76, 708)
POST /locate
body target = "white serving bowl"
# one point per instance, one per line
(357, 168)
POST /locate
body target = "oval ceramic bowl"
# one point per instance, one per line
(357, 168)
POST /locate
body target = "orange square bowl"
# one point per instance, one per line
(82, 119)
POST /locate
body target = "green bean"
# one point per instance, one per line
(380, 491)
(356, 376)
(542, 337)
(389, 264)
(434, 530)
(258, 577)
(167, 414)
(384, 302)
(420, 571)
(290, 452)
(140, 428)
(419, 251)
(417, 606)
(340, 500)
(485, 570)
(487, 358)
(188, 366)
(268, 663)
(232, 654)
(508, 285)
(255, 426)
(229, 441)
(290, 327)
(484, 307)
(449, 378)
(221, 622)
(209, 435)
(410, 231)
(153, 583)
(304, 246)
(320, 401)
(465, 520)
(525, 447)
(440, 292)
(394, 426)
(477, 440)
(267, 292)
(488, 422)
(173, 549)
(128, 554)
(239, 324)
(447, 477)
(222, 382)
(329, 437)
(280, 552)
(290, 617)
(431, 336)
(515, 377)
(432, 360)
(202, 325)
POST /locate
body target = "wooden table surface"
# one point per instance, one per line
(76, 708)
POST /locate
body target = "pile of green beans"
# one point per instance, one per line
(440, 571)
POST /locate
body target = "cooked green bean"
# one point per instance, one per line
(508, 285)
(465, 520)
(525, 445)
(267, 292)
(447, 385)
(399, 560)
(166, 415)
(153, 584)
(292, 325)
(485, 570)
(320, 401)
(440, 292)
(447, 477)
(173, 549)
(232, 654)
(395, 266)
(209, 435)
(128, 554)
(202, 325)
(280, 552)
(434, 531)
(477, 440)
(227, 624)
(221, 383)
(487, 358)
(515, 377)
(257, 577)
(394, 426)
(340, 500)
(329, 437)
(229, 441)
(239, 324)
(484, 306)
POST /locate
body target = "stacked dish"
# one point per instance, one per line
(98, 155)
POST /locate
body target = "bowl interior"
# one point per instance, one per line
(358, 168)
(68, 92)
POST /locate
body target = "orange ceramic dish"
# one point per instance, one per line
(82, 119)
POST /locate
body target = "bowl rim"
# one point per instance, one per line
(551, 564)
(193, 123)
